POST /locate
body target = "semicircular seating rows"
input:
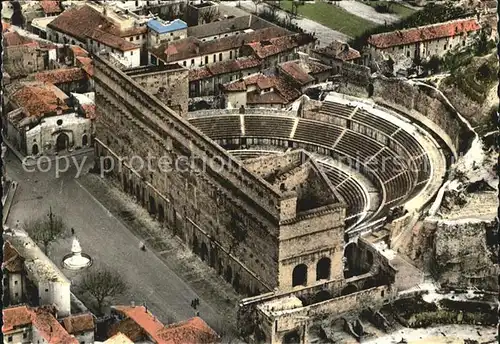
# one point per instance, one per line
(391, 158)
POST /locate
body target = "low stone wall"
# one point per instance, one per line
(251, 111)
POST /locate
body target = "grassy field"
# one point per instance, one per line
(333, 17)
(399, 10)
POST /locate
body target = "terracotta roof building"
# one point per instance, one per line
(79, 323)
(12, 261)
(60, 76)
(37, 98)
(424, 33)
(118, 338)
(22, 323)
(138, 324)
(306, 71)
(50, 8)
(193, 52)
(278, 45)
(339, 51)
(423, 42)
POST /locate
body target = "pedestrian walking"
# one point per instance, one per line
(72, 231)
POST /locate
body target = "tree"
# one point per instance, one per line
(256, 3)
(103, 285)
(434, 64)
(44, 231)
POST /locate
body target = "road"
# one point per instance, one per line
(324, 34)
(367, 12)
(112, 243)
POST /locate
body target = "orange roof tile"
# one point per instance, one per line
(89, 110)
(79, 51)
(112, 41)
(60, 76)
(143, 318)
(50, 7)
(191, 331)
(39, 99)
(86, 64)
(14, 39)
(273, 46)
(339, 50)
(16, 317)
(423, 33)
(50, 329)
(75, 324)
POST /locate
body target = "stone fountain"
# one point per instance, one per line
(76, 260)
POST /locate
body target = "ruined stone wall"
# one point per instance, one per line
(356, 74)
(225, 214)
(463, 256)
(426, 102)
(171, 87)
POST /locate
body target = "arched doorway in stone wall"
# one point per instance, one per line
(323, 268)
(62, 142)
(34, 149)
(322, 295)
(292, 337)
(204, 251)
(85, 140)
(299, 275)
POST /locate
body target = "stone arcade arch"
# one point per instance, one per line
(85, 140)
(152, 205)
(350, 289)
(323, 268)
(161, 213)
(350, 259)
(203, 251)
(323, 295)
(229, 274)
(292, 337)
(299, 275)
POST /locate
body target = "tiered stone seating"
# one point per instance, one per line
(268, 126)
(409, 142)
(218, 126)
(336, 109)
(358, 146)
(317, 132)
(424, 169)
(374, 122)
(398, 187)
(353, 195)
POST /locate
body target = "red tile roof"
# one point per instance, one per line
(224, 67)
(302, 71)
(14, 39)
(39, 99)
(15, 317)
(79, 22)
(12, 261)
(129, 328)
(190, 47)
(273, 46)
(191, 331)
(48, 326)
(194, 330)
(76, 324)
(423, 33)
(51, 7)
(60, 76)
(147, 322)
(79, 51)
(86, 64)
(50, 329)
(339, 50)
(5, 27)
(112, 41)
(89, 110)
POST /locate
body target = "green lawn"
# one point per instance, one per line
(400, 10)
(333, 17)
